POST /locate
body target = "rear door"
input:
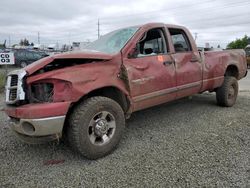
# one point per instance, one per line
(151, 71)
(188, 66)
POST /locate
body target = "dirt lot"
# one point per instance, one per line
(190, 142)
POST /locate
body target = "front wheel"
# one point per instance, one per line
(226, 95)
(96, 126)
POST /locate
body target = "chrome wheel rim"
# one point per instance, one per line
(101, 128)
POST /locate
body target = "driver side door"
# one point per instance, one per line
(151, 71)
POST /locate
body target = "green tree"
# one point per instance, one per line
(24, 42)
(21, 42)
(238, 43)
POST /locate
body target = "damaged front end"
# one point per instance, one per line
(33, 115)
(38, 97)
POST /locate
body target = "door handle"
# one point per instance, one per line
(168, 63)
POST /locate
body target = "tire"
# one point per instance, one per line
(96, 126)
(226, 95)
(23, 64)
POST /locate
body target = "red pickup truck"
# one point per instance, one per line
(87, 95)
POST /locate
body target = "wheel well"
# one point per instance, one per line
(112, 93)
(232, 70)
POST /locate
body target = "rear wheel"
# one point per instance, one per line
(226, 95)
(96, 126)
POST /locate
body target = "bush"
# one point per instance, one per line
(2, 81)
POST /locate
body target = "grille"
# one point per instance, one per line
(14, 87)
(13, 94)
(14, 80)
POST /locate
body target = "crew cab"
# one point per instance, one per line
(85, 96)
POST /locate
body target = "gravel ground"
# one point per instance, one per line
(186, 143)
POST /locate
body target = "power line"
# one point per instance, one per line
(165, 11)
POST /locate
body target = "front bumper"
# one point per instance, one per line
(38, 127)
(41, 122)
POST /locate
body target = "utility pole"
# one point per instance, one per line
(98, 29)
(38, 37)
(195, 36)
(69, 38)
(9, 41)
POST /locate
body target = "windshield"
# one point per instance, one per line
(112, 42)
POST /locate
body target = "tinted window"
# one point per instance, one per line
(20, 54)
(37, 56)
(29, 55)
(180, 40)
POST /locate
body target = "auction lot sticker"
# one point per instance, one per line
(7, 59)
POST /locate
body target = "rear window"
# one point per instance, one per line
(180, 40)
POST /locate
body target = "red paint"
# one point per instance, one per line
(149, 80)
(36, 111)
(68, 55)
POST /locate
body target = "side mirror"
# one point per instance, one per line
(134, 52)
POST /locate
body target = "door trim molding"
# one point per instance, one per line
(166, 91)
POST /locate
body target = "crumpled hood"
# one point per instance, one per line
(30, 69)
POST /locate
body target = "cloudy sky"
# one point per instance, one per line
(65, 21)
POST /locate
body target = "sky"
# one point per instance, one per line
(216, 22)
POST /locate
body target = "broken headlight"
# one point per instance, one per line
(50, 91)
(41, 92)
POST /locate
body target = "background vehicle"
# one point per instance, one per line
(87, 95)
(26, 57)
(247, 49)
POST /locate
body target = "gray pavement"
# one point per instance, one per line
(186, 143)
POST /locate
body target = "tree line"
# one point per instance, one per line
(240, 43)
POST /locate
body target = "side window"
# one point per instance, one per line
(20, 54)
(180, 40)
(37, 56)
(29, 55)
(152, 43)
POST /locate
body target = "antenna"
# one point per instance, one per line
(195, 36)
(38, 37)
(98, 28)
